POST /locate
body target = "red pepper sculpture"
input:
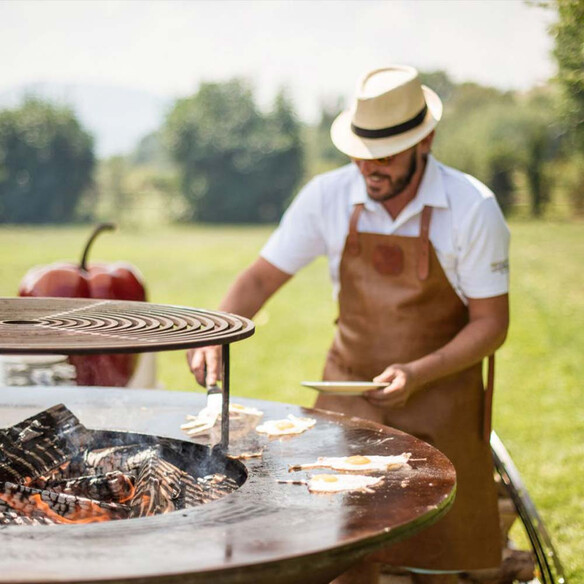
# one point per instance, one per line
(116, 281)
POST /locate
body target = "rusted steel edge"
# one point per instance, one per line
(355, 551)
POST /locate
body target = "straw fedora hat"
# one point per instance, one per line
(392, 112)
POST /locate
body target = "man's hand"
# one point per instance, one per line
(402, 384)
(245, 297)
(205, 364)
(484, 333)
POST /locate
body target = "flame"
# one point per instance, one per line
(130, 490)
(10, 500)
(94, 514)
(40, 481)
(146, 508)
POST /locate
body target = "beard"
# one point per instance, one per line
(397, 185)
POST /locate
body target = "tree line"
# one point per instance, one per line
(219, 158)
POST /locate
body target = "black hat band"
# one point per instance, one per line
(392, 130)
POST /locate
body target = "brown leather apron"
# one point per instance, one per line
(396, 305)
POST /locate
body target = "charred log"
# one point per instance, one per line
(54, 470)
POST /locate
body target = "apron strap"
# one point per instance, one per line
(489, 399)
(353, 245)
(424, 254)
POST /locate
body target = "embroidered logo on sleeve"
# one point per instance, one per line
(502, 267)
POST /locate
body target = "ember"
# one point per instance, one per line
(53, 470)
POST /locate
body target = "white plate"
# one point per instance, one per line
(344, 387)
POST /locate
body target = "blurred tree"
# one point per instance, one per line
(568, 34)
(494, 136)
(468, 97)
(541, 134)
(136, 194)
(320, 153)
(113, 195)
(152, 152)
(440, 82)
(328, 152)
(467, 139)
(284, 162)
(236, 164)
(46, 162)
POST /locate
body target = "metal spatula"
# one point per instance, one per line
(207, 417)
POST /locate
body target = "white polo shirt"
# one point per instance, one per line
(467, 229)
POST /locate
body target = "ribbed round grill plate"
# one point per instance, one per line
(84, 326)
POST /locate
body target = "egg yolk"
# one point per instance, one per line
(358, 459)
(285, 425)
(326, 478)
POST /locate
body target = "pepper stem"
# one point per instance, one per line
(101, 227)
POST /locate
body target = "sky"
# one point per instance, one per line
(315, 49)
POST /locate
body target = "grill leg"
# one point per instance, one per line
(225, 404)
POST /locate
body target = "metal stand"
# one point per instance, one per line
(551, 571)
(75, 326)
(225, 402)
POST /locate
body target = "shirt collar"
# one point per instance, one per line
(431, 192)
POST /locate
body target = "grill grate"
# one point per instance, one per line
(84, 326)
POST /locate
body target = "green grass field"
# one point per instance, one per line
(539, 410)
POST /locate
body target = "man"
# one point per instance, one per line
(418, 254)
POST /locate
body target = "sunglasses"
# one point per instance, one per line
(377, 161)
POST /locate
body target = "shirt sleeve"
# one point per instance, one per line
(483, 246)
(299, 238)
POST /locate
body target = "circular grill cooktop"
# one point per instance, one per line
(85, 326)
(264, 532)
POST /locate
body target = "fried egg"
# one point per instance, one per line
(238, 409)
(290, 425)
(208, 419)
(357, 463)
(331, 483)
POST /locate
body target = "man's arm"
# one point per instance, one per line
(485, 332)
(248, 293)
(252, 288)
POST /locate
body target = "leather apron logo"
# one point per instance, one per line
(388, 259)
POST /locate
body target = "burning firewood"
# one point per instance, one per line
(113, 486)
(55, 471)
(58, 507)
